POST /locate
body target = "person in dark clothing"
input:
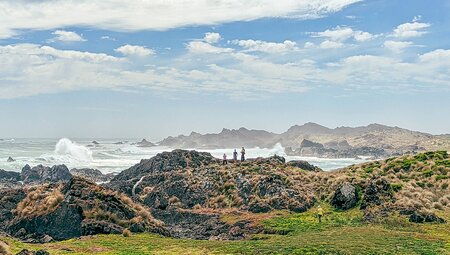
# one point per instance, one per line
(243, 154)
(235, 155)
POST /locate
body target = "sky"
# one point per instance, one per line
(111, 68)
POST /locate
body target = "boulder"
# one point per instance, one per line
(9, 176)
(40, 174)
(345, 197)
(376, 193)
(10, 159)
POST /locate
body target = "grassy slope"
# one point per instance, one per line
(340, 233)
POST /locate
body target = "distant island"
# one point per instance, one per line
(314, 140)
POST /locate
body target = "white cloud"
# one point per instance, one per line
(135, 50)
(397, 46)
(331, 45)
(118, 15)
(309, 45)
(341, 34)
(268, 47)
(212, 38)
(199, 47)
(407, 30)
(66, 36)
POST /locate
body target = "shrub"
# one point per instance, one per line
(126, 232)
(396, 187)
(441, 177)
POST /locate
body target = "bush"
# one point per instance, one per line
(428, 173)
(126, 232)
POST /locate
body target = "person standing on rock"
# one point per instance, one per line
(225, 161)
(319, 213)
(243, 154)
(235, 155)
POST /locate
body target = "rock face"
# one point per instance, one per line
(9, 180)
(93, 175)
(345, 197)
(78, 207)
(40, 174)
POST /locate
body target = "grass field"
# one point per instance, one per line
(293, 233)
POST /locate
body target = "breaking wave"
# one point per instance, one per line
(66, 147)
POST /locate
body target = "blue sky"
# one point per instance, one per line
(158, 68)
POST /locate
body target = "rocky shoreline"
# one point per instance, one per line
(185, 194)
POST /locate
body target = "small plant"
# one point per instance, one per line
(396, 187)
(428, 173)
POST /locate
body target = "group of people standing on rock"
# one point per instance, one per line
(235, 156)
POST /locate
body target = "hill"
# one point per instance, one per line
(374, 140)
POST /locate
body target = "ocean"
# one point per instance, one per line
(115, 155)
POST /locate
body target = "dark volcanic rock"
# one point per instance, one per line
(422, 217)
(376, 193)
(61, 224)
(78, 207)
(91, 174)
(40, 173)
(345, 197)
(9, 176)
(166, 162)
(302, 164)
(10, 159)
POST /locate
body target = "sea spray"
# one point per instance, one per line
(66, 147)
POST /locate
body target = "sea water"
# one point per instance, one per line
(109, 156)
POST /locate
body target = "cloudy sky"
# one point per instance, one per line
(153, 68)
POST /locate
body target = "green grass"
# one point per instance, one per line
(298, 233)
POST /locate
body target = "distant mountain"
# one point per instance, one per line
(234, 138)
(373, 140)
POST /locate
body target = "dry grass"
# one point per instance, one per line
(126, 232)
(40, 201)
(4, 248)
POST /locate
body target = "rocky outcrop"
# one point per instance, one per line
(41, 174)
(376, 193)
(93, 175)
(305, 165)
(62, 211)
(10, 160)
(9, 180)
(144, 143)
(345, 197)
(423, 217)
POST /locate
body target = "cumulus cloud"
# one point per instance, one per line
(66, 36)
(268, 47)
(198, 47)
(135, 50)
(397, 46)
(212, 38)
(152, 15)
(327, 44)
(408, 30)
(341, 34)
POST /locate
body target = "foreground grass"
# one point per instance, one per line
(339, 233)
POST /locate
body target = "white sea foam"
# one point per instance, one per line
(66, 147)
